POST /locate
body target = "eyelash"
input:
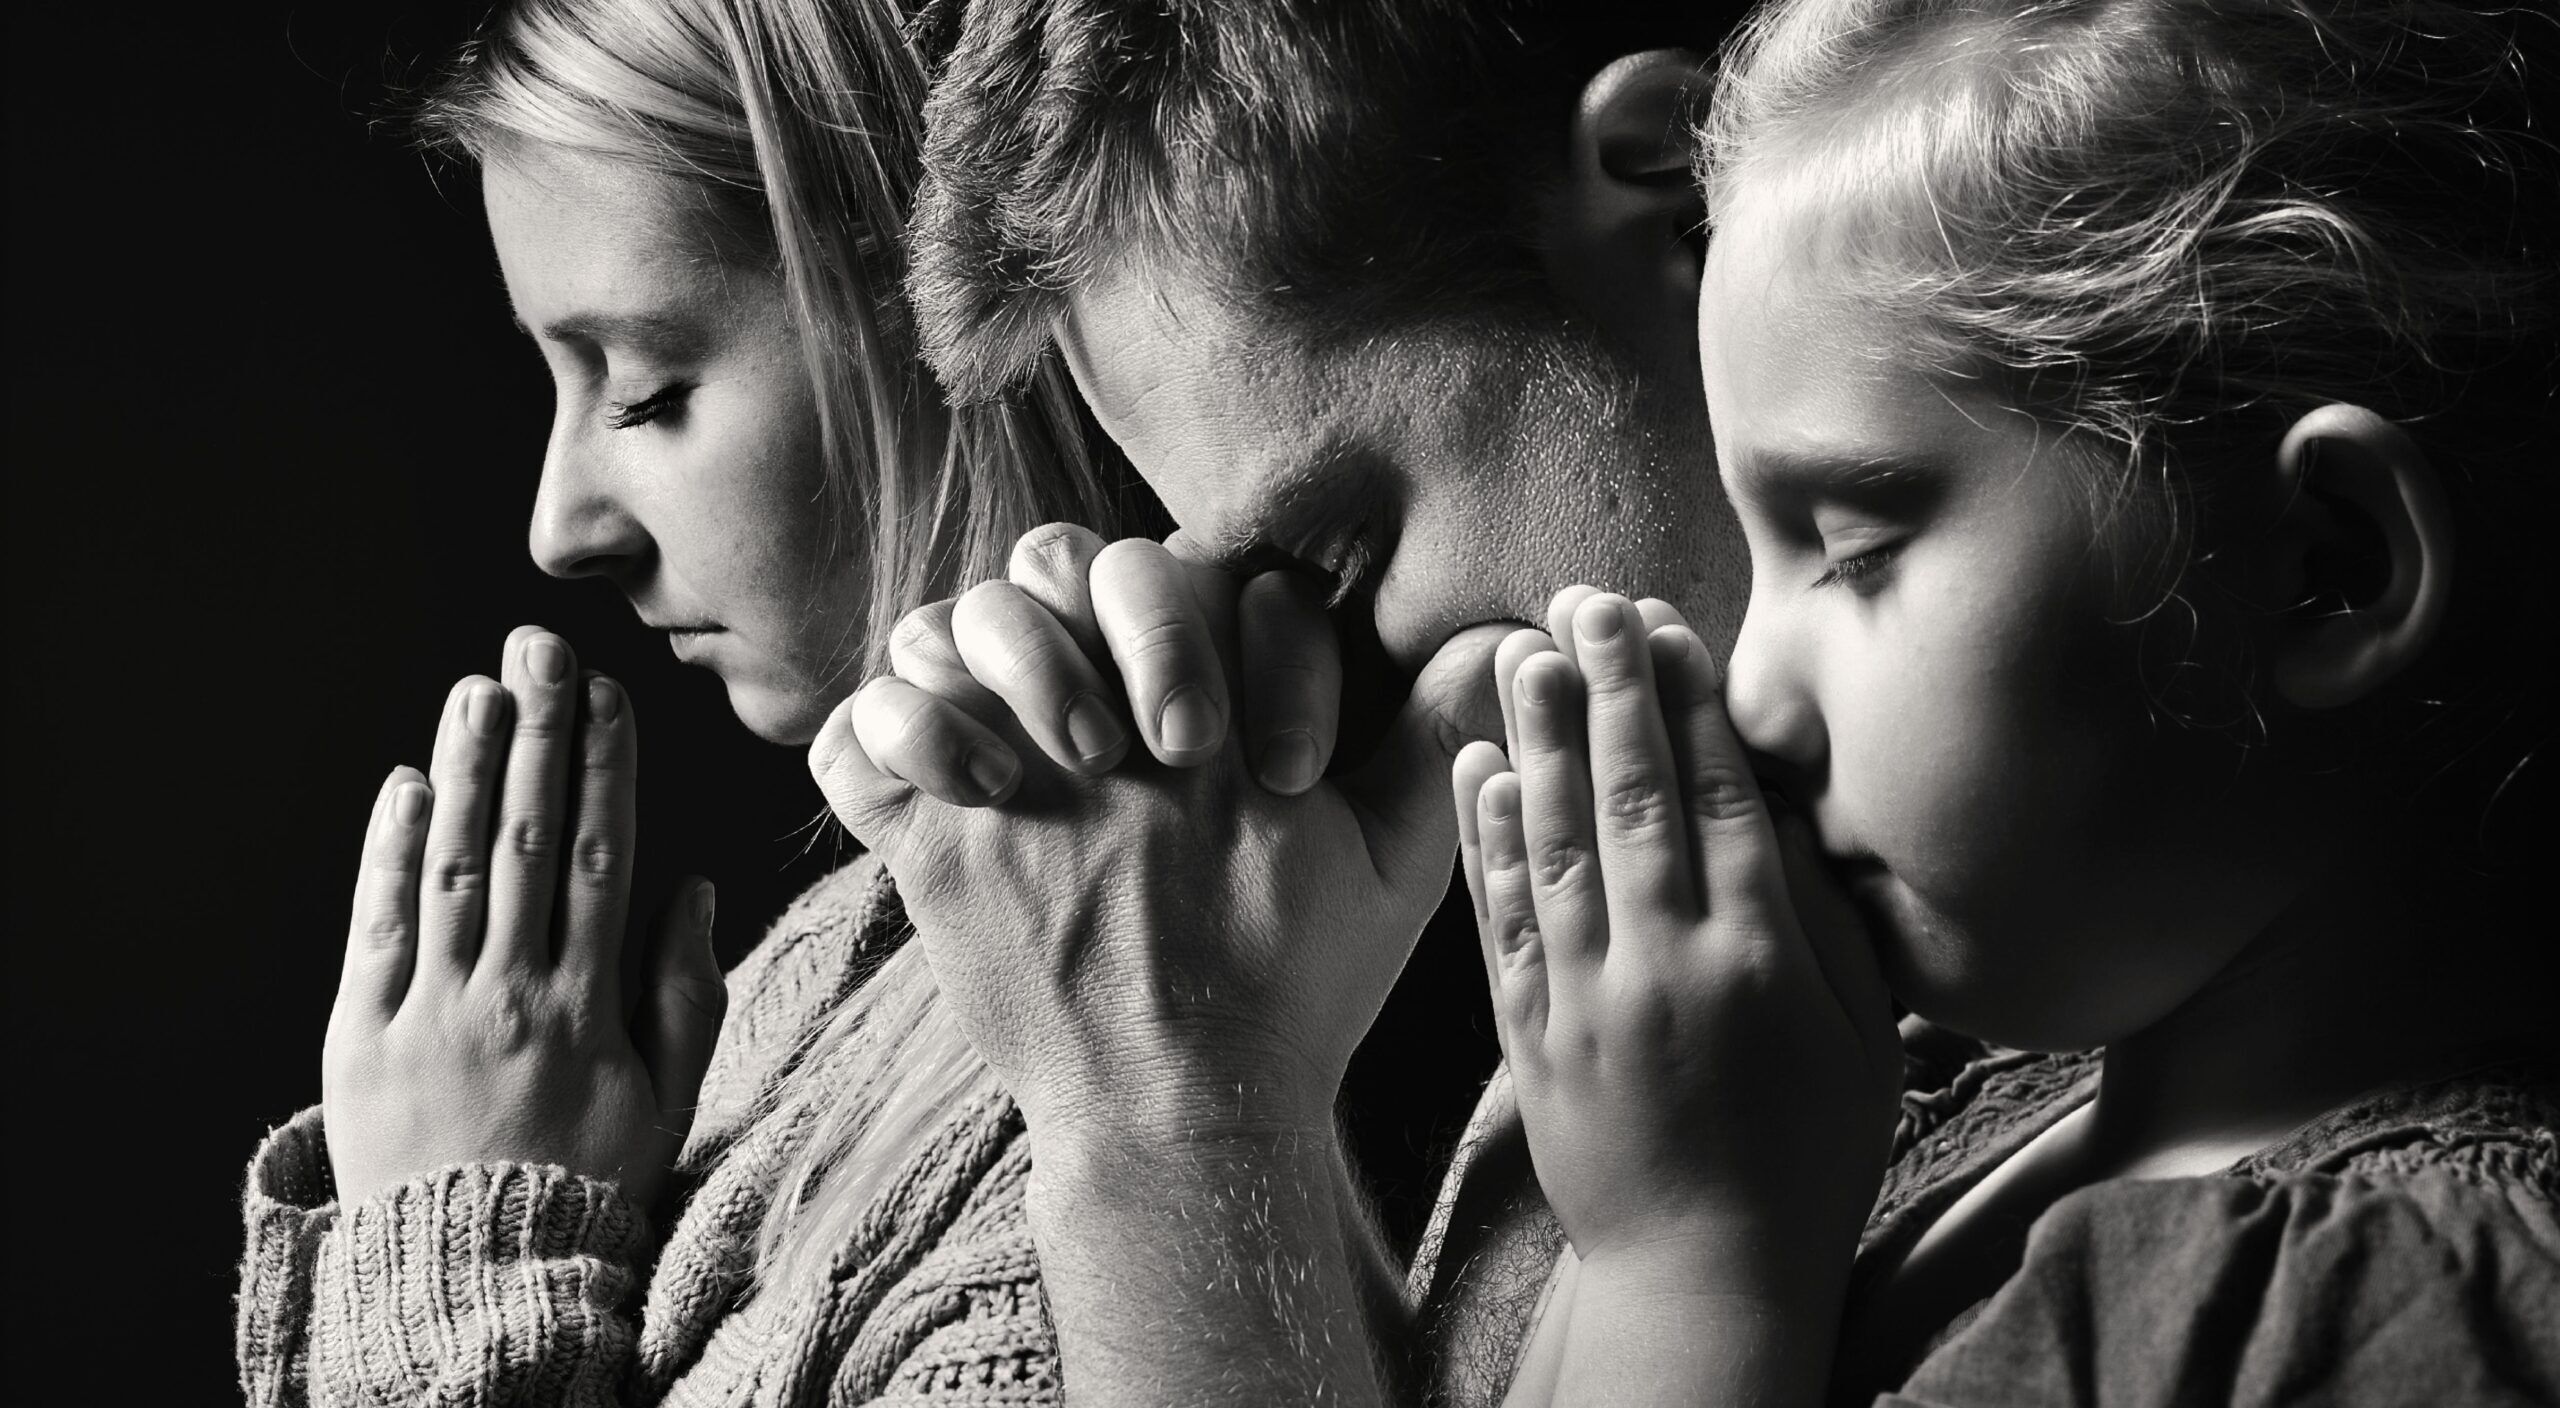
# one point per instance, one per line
(1860, 570)
(620, 415)
(1352, 557)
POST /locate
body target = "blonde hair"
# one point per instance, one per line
(2170, 227)
(2153, 214)
(799, 124)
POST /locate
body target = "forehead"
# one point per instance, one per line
(1804, 358)
(1188, 385)
(578, 231)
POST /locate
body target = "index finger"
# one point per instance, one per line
(1152, 620)
(1053, 564)
(1731, 840)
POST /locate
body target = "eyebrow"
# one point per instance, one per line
(653, 332)
(1854, 474)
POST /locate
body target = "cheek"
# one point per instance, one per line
(1978, 758)
(760, 531)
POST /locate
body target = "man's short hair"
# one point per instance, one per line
(1329, 157)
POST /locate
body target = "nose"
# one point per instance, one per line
(581, 526)
(1770, 698)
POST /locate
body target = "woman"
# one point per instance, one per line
(698, 207)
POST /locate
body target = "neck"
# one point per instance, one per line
(2369, 977)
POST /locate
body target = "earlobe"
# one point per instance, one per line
(2375, 540)
(1624, 233)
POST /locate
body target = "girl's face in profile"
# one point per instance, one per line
(1928, 665)
(684, 462)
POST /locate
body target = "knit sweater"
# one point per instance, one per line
(504, 1284)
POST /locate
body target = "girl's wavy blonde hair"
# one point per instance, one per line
(2170, 227)
(799, 123)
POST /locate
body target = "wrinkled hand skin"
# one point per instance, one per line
(1162, 950)
(485, 1014)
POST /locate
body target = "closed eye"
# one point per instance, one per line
(1861, 572)
(665, 402)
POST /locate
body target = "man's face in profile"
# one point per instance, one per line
(1462, 468)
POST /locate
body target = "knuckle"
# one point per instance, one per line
(600, 855)
(921, 630)
(1052, 551)
(457, 872)
(386, 929)
(1555, 862)
(1639, 804)
(1722, 792)
(512, 1023)
(531, 838)
(1159, 636)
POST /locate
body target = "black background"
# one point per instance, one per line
(272, 443)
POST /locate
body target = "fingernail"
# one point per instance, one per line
(1535, 684)
(991, 768)
(1188, 722)
(1497, 802)
(604, 702)
(484, 709)
(706, 904)
(546, 661)
(1091, 728)
(1289, 762)
(408, 803)
(1598, 626)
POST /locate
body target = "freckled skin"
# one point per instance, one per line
(1512, 455)
(711, 515)
(2056, 871)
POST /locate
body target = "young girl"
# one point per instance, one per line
(2136, 409)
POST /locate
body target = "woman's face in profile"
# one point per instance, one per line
(684, 462)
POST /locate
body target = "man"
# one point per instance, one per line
(1403, 293)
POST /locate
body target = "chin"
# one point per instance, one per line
(778, 716)
(1988, 981)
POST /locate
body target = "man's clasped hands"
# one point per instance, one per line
(1169, 958)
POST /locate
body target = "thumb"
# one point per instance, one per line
(1401, 792)
(681, 1003)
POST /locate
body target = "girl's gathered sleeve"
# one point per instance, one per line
(2437, 1286)
(475, 1286)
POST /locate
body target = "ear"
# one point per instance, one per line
(2368, 543)
(1624, 230)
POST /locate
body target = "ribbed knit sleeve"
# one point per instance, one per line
(289, 1208)
(477, 1286)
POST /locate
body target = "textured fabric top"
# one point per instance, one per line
(510, 1284)
(2404, 1248)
